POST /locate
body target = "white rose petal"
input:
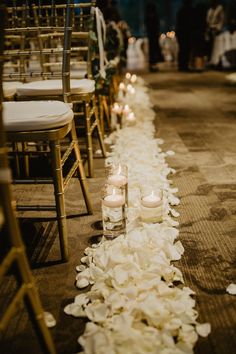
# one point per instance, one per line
(174, 213)
(231, 289)
(49, 319)
(81, 299)
(82, 283)
(203, 329)
(80, 268)
(74, 310)
(170, 153)
(97, 312)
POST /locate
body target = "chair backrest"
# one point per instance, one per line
(49, 38)
(42, 35)
(81, 38)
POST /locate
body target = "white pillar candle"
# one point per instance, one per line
(117, 108)
(114, 200)
(132, 91)
(133, 78)
(122, 86)
(131, 118)
(126, 109)
(117, 180)
(128, 76)
(129, 87)
(151, 201)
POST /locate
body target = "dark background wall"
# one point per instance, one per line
(133, 12)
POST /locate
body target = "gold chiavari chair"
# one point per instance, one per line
(51, 123)
(46, 18)
(13, 255)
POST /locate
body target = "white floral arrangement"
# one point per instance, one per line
(137, 302)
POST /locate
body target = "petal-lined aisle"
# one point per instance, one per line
(137, 302)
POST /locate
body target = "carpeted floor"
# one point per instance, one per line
(196, 116)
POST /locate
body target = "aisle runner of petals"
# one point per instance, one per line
(137, 303)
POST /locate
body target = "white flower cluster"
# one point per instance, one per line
(137, 303)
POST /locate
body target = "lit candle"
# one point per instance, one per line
(122, 86)
(117, 179)
(151, 201)
(129, 87)
(132, 91)
(121, 92)
(117, 108)
(131, 118)
(126, 110)
(133, 78)
(114, 200)
(128, 76)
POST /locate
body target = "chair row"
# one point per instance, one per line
(13, 259)
(45, 46)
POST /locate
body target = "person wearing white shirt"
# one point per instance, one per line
(215, 23)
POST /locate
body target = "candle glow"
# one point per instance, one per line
(126, 110)
(133, 78)
(131, 117)
(151, 200)
(114, 200)
(129, 87)
(117, 108)
(122, 86)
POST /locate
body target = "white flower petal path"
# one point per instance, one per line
(134, 304)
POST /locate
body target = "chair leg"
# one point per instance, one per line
(100, 137)
(89, 140)
(59, 197)
(37, 317)
(15, 150)
(101, 112)
(26, 160)
(107, 111)
(81, 173)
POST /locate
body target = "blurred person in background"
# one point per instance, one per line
(198, 38)
(184, 33)
(152, 22)
(215, 24)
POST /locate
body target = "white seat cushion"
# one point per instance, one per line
(54, 87)
(35, 115)
(10, 88)
(78, 74)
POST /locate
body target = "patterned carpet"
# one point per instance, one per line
(196, 116)
(197, 120)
